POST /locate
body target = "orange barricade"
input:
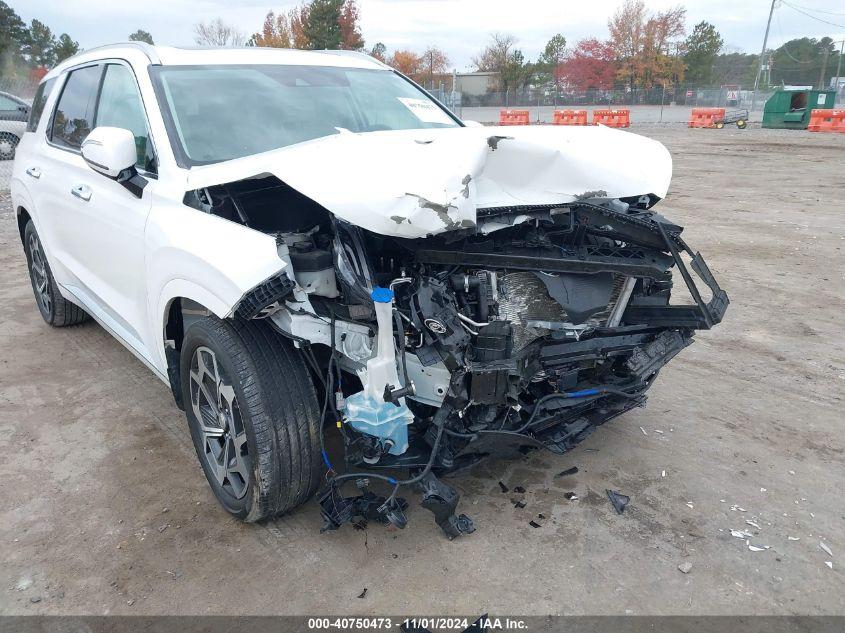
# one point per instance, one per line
(827, 121)
(706, 117)
(570, 117)
(612, 118)
(514, 117)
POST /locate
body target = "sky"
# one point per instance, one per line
(459, 27)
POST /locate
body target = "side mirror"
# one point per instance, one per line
(109, 150)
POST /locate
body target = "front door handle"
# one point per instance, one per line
(35, 172)
(83, 192)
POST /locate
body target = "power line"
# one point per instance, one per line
(809, 15)
(783, 46)
(820, 10)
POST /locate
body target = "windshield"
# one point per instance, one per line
(217, 113)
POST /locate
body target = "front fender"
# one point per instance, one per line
(204, 258)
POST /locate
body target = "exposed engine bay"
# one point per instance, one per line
(526, 328)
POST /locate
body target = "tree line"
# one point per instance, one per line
(642, 50)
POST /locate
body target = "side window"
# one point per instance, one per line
(38, 103)
(8, 104)
(74, 117)
(120, 106)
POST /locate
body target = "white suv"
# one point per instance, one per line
(288, 238)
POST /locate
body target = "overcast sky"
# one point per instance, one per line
(459, 27)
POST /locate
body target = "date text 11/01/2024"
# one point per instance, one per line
(419, 624)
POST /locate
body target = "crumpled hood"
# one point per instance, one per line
(414, 183)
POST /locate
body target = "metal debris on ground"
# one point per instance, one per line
(752, 524)
(736, 508)
(503, 487)
(519, 504)
(744, 534)
(363, 593)
(793, 538)
(824, 547)
(618, 500)
(662, 473)
(643, 430)
(519, 490)
(685, 567)
(567, 472)
(829, 563)
(757, 548)
(571, 496)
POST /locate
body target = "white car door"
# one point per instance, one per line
(94, 225)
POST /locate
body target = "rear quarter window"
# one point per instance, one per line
(41, 96)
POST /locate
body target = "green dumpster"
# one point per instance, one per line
(791, 108)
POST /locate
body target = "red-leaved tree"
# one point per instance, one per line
(589, 65)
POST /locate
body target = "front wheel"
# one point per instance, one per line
(253, 415)
(741, 124)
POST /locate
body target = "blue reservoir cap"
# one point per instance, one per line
(381, 295)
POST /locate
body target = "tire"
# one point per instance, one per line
(258, 442)
(741, 124)
(8, 143)
(54, 308)
(719, 125)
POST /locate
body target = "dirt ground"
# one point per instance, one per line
(104, 509)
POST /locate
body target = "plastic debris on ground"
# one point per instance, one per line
(824, 547)
(618, 500)
(745, 534)
(736, 508)
(685, 567)
(643, 430)
(757, 548)
(571, 496)
(567, 472)
(363, 593)
(793, 538)
(829, 563)
(752, 523)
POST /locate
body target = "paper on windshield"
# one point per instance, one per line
(425, 110)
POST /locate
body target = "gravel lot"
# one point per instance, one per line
(104, 509)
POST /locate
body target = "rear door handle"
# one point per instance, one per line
(83, 192)
(35, 172)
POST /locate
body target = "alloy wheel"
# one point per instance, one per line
(215, 407)
(38, 272)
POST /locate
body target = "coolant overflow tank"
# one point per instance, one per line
(313, 269)
(366, 411)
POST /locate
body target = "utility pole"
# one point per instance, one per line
(838, 68)
(824, 68)
(762, 56)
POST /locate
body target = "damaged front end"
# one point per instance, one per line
(526, 328)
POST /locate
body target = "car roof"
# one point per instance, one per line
(13, 97)
(175, 56)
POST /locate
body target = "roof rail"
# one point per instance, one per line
(358, 54)
(145, 48)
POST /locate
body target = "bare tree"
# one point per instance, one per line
(217, 33)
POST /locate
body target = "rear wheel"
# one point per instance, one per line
(719, 125)
(54, 308)
(253, 415)
(741, 124)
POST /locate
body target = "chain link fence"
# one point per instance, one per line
(15, 100)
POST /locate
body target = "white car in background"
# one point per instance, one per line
(288, 238)
(14, 113)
